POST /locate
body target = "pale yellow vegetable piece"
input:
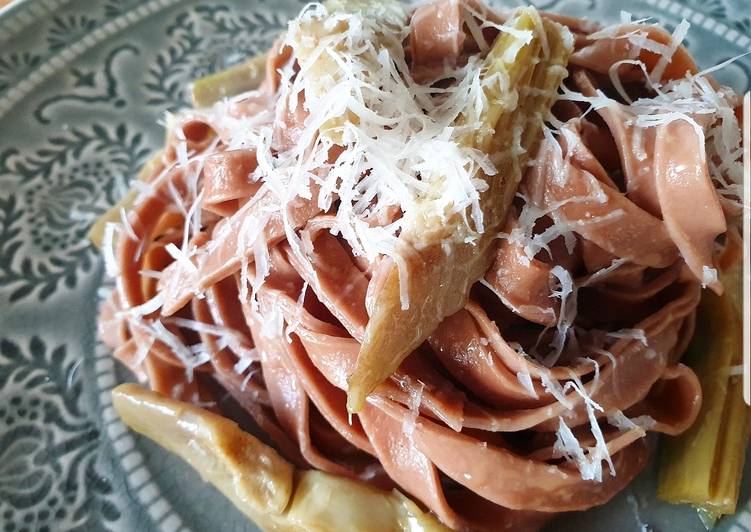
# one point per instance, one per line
(243, 77)
(112, 215)
(703, 466)
(262, 484)
(520, 84)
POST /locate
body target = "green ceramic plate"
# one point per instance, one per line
(82, 84)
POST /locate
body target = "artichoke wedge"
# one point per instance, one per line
(521, 76)
(258, 481)
(703, 466)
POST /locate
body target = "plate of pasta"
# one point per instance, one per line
(359, 265)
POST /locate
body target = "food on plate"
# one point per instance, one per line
(440, 252)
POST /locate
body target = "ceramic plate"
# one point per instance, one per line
(82, 84)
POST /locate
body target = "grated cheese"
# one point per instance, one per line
(554, 388)
(634, 334)
(184, 353)
(589, 464)
(294, 323)
(675, 41)
(150, 274)
(180, 256)
(144, 348)
(152, 305)
(567, 293)
(108, 250)
(709, 276)
(526, 381)
(125, 223)
(623, 423)
(413, 404)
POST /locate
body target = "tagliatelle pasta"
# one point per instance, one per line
(489, 220)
